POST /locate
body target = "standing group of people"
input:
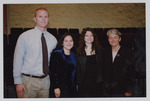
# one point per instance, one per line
(88, 71)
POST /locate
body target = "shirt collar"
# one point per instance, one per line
(40, 31)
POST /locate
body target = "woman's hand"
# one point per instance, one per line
(57, 92)
(127, 94)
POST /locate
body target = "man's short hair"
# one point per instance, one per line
(42, 9)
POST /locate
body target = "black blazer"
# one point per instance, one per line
(81, 67)
(118, 75)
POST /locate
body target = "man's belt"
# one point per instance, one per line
(43, 76)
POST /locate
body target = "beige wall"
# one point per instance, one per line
(80, 15)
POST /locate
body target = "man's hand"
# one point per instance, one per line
(20, 88)
(57, 92)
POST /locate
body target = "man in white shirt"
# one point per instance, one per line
(28, 73)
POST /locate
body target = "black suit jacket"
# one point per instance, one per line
(118, 75)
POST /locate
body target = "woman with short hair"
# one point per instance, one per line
(118, 67)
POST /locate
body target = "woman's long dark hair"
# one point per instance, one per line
(60, 41)
(82, 45)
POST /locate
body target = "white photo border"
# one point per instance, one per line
(147, 2)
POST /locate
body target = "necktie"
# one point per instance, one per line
(45, 55)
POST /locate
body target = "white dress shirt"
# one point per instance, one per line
(28, 53)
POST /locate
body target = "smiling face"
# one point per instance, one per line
(68, 43)
(88, 38)
(41, 19)
(114, 39)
